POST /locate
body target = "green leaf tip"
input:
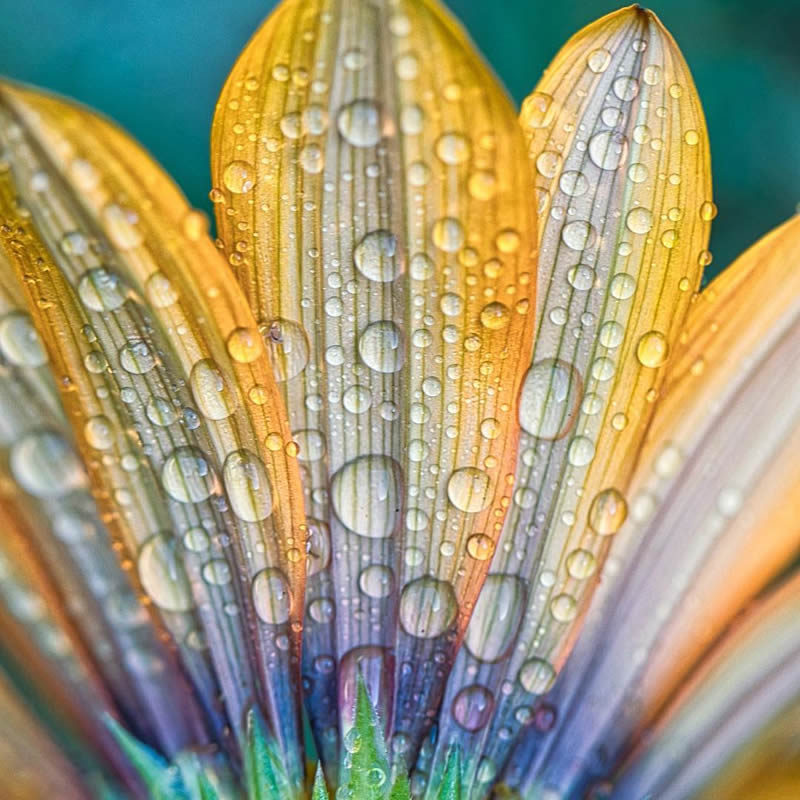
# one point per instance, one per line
(266, 778)
(319, 791)
(450, 788)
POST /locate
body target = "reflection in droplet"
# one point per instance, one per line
(495, 620)
(428, 607)
(272, 597)
(366, 495)
(549, 400)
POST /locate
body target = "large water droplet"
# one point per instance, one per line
(100, 289)
(652, 349)
(536, 676)
(366, 495)
(381, 346)
(495, 620)
(376, 256)
(187, 476)
(45, 465)
(213, 392)
(272, 597)
(428, 607)
(549, 399)
(247, 485)
(287, 345)
(359, 123)
(608, 149)
(375, 666)
(607, 512)
(162, 574)
(376, 581)
(469, 489)
(472, 707)
(239, 177)
(137, 358)
(19, 341)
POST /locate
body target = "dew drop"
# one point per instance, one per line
(272, 597)
(359, 123)
(536, 676)
(428, 607)
(549, 399)
(162, 574)
(447, 234)
(493, 627)
(381, 346)
(19, 341)
(239, 177)
(366, 495)
(639, 220)
(607, 512)
(376, 581)
(472, 707)
(212, 390)
(187, 476)
(137, 358)
(652, 349)
(608, 149)
(578, 235)
(453, 148)
(469, 489)
(44, 464)
(598, 60)
(377, 258)
(100, 289)
(287, 345)
(246, 482)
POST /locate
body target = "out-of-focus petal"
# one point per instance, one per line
(31, 764)
(619, 148)
(745, 686)
(170, 393)
(44, 490)
(708, 508)
(372, 196)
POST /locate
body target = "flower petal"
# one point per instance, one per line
(369, 194)
(750, 683)
(708, 502)
(619, 147)
(171, 399)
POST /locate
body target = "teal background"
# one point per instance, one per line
(156, 67)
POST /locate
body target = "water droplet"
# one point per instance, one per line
(318, 545)
(483, 185)
(578, 235)
(322, 610)
(366, 494)
(381, 346)
(354, 59)
(626, 88)
(607, 512)
(548, 163)
(480, 546)
(359, 123)
(447, 234)
(563, 608)
(312, 159)
(45, 465)
(472, 707)
(19, 341)
(537, 676)
(247, 485)
(639, 220)
(160, 411)
(453, 148)
(100, 289)
(287, 345)
(538, 110)
(581, 564)
(376, 581)
(74, 244)
(495, 316)
(216, 572)
(708, 211)
(428, 607)
(652, 349)
(573, 183)
(99, 433)
(245, 345)
(213, 391)
(469, 489)
(272, 597)
(137, 358)
(608, 149)
(239, 177)
(622, 286)
(581, 451)
(187, 476)
(357, 399)
(549, 399)
(598, 60)
(311, 443)
(377, 258)
(492, 630)
(162, 575)
(121, 226)
(581, 277)
(160, 291)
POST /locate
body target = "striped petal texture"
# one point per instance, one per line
(372, 196)
(169, 393)
(620, 155)
(709, 525)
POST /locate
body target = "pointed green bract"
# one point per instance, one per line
(401, 789)
(319, 791)
(265, 778)
(365, 766)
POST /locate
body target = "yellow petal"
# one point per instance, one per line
(169, 390)
(370, 194)
(619, 151)
(711, 504)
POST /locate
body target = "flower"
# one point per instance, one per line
(458, 485)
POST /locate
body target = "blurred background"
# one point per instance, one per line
(156, 67)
